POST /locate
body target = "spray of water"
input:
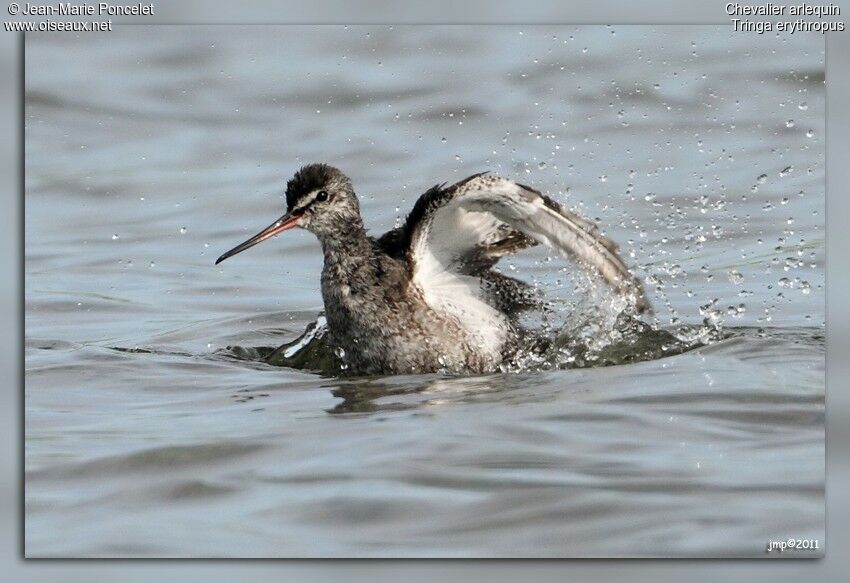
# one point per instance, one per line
(594, 327)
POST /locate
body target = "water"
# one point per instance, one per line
(150, 152)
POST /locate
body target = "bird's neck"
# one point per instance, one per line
(347, 246)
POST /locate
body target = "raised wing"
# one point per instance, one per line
(464, 229)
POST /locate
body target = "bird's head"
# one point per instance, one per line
(319, 198)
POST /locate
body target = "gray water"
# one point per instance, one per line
(151, 150)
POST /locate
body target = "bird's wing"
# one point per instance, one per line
(465, 228)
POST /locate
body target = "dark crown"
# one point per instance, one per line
(310, 178)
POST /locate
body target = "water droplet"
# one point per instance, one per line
(805, 287)
(810, 133)
(603, 178)
(789, 123)
(542, 166)
(786, 171)
(443, 140)
(803, 106)
(115, 237)
(735, 276)
(762, 178)
(183, 230)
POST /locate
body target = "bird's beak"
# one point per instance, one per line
(284, 223)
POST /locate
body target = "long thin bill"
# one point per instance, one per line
(284, 223)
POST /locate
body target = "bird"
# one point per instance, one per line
(425, 297)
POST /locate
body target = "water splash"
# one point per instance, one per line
(602, 328)
(590, 343)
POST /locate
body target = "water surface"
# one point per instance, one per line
(150, 152)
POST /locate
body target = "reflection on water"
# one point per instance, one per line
(159, 421)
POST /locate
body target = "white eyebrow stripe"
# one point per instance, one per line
(308, 200)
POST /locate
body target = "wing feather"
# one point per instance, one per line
(484, 217)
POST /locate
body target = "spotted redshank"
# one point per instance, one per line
(425, 297)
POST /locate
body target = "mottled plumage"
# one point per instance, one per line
(424, 297)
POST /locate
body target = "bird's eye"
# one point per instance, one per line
(322, 196)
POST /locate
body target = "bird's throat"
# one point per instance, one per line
(349, 247)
